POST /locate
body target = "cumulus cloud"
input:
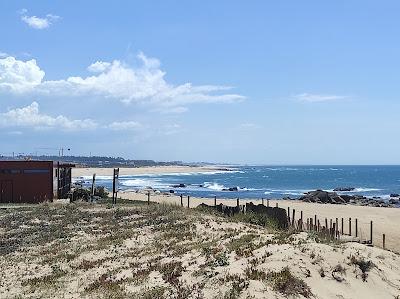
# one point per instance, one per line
(124, 125)
(145, 84)
(2, 54)
(98, 67)
(38, 22)
(313, 98)
(19, 76)
(30, 117)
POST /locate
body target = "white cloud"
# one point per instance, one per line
(144, 84)
(2, 54)
(19, 76)
(38, 22)
(31, 117)
(99, 67)
(124, 125)
(313, 98)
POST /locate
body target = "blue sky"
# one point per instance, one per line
(267, 82)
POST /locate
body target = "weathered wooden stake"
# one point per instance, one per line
(370, 232)
(237, 202)
(276, 204)
(333, 234)
(288, 214)
(349, 226)
(301, 219)
(384, 241)
(315, 221)
(356, 227)
(268, 203)
(342, 227)
(319, 226)
(326, 223)
(311, 224)
(262, 200)
(148, 198)
(181, 200)
(337, 227)
(188, 201)
(293, 216)
(215, 201)
(308, 223)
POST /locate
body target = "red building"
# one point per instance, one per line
(34, 181)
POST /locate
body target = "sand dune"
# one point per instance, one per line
(385, 220)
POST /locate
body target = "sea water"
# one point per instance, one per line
(267, 181)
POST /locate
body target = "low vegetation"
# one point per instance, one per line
(135, 250)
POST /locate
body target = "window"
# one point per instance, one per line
(28, 171)
(10, 171)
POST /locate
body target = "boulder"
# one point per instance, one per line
(231, 189)
(179, 186)
(394, 195)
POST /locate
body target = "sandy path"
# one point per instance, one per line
(385, 220)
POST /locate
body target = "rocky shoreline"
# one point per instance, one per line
(325, 197)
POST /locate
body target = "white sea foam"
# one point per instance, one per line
(141, 183)
(214, 186)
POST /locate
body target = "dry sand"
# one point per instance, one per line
(77, 172)
(158, 251)
(385, 220)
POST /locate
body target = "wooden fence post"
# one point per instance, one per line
(333, 233)
(293, 216)
(326, 224)
(237, 202)
(356, 227)
(337, 228)
(276, 205)
(301, 219)
(148, 198)
(342, 227)
(288, 214)
(371, 233)
(384, 241)
(315, 222)
(188, 201)
(267, 203)
(215, 201)
(349, 226)
(181, 200)
(262, 200)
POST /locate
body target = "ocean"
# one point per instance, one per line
(272, 182)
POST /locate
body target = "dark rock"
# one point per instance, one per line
(394, 195)
(179, 186)
(231, 189)
(344, 189)
(171, 191)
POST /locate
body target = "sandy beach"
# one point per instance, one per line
(135, 250)
(385, 220)
(77, 172)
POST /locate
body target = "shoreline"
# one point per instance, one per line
(89, 171)
(385, 221)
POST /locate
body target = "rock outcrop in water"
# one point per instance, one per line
(320, 196)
